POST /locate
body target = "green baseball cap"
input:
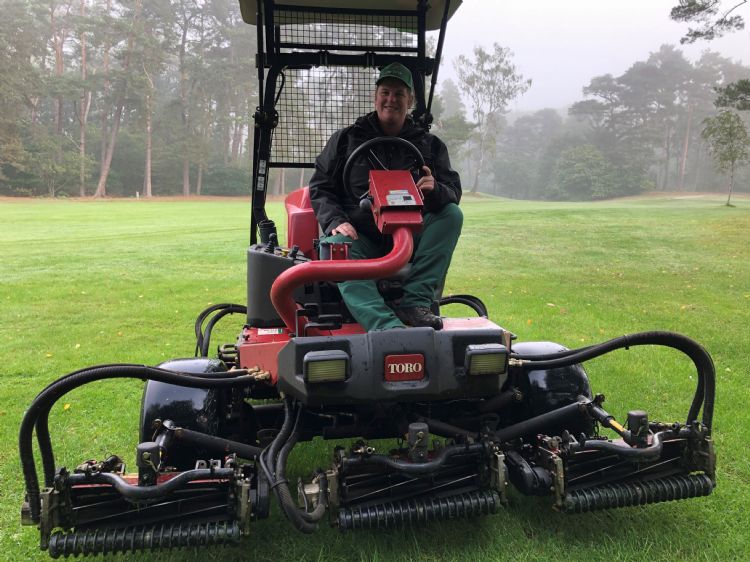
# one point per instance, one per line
(399, 72)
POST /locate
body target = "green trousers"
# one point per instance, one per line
(433, 249)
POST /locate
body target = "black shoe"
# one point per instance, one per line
(419, 316)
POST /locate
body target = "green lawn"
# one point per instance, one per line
(85, 283)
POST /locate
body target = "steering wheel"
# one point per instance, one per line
(361, 152)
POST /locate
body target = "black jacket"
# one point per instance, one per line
(329, 199)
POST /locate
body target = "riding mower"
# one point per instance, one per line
(467, 410)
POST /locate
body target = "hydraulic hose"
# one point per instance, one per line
(651, 452)
(467, 300)
(705, 389)
(447, 430)
(414, 468)
(216, 444)
(302, 520)
(273, 448)
(205, 338)
(273, 464)
(538, 423)
(136, 493)
(38, 412)
(199, 323)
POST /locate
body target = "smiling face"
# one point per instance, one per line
(392, 102)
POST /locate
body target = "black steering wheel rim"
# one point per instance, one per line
(361, 150)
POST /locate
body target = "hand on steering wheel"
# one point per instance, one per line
(426, 183)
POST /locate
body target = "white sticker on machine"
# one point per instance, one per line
(400, 197)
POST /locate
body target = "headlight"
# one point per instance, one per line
(486, 359)
(325, 366)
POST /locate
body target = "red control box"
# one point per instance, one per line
(396, 201)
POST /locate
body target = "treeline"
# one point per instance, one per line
(126, 97)
(636, 132)
(116, 97)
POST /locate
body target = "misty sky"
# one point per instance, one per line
(561, 44)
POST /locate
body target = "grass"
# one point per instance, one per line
(87, 283)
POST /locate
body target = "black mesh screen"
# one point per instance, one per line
(360, 31)
(316, 102)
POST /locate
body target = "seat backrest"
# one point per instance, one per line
(302, 226)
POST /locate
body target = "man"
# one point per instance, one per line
(342, 219)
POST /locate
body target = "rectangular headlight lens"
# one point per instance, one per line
(325, 366)
(486, 359)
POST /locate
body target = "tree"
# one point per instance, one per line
(490, 81)
(450, 100)
(584, 173)
(736, 95)
(729, 143)
(713, 19)
(521, 149)
(122, 90)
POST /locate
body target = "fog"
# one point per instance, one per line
(562, 45)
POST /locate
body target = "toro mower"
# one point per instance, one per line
(467, 411)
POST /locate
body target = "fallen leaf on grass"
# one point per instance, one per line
(66, 407)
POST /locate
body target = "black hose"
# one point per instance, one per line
(540, 422)
(273, 463)
(231, 309)
(203, 338)
(413, 468)
(42, 422)
(217, 444)
(498, 402)
(467, 300)
(281, 437)
(38, 412)
(137, 493)
(302, 520)
(705, 389)
(199, 324)
(45, 448)
(447, 430)
(316, 514)
(649, 453)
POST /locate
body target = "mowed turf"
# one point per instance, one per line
(91, 282)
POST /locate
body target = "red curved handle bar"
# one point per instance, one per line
(338, 270)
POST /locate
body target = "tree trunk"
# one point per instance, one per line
(236, 138)
(731, 183)
(280, 183)
(105, 108)
(101, 188)
(478, 171)
(199, 181)
(149, 135)
(58, 39)
(667, 154)
(685, 149)
(185, 176)
(184, 108)
(84, 110)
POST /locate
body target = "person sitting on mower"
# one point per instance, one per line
(342, 219)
